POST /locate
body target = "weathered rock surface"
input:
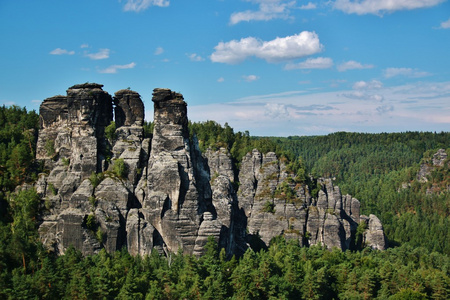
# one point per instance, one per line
(171, 196)
(374, 235)
(437, 160)
(129, 108)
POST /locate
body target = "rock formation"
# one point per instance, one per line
(161, 192)
(438, 160)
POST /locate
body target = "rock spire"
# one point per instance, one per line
(160, 192)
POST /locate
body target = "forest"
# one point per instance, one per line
(381, 170)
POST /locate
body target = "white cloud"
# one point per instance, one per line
(363, 90)
(311, 63)
(159, 51)
(363, 95)
(250, 78)
(268, 10)
(113, 69)
(101, 54)
(367, 85)
(275, 110)
(277, 50)
(138, 5)
(383, 109)
(195, 57)
(413, 107)
(59, 51)
(379, 7)
(84, 46)
(408, 72)
(352, 65)
(221, 79)
(310, 5)
(445, 25)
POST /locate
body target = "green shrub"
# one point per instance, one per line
(52, 188)
(91, 223)
(93, 201)
(269, 207)
(100, 235)
(50, 148)
(65, 161)
(110, 131)
(96, 178)
(119, 168)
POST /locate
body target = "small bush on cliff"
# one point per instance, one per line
(52, 188)
(96, 178)
(119, 168)
(110, 131)
(91, 222)
(50, 148)
(99, 235)
(269, 207)
(284, 191)
(65, 161)
(297, 167)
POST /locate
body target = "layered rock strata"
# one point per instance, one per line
(162, 193)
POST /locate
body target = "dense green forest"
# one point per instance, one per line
(379, 169)
(284, 271)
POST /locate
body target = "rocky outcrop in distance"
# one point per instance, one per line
(161, 193)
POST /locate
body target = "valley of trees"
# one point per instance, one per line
(378, 169)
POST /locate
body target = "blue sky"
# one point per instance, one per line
(273, 67)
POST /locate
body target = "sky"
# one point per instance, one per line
(272, 67)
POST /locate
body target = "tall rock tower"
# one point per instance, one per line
(171, 192)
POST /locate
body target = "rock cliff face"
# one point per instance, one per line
(162, 193)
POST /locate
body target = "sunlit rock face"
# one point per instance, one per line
(161, 193)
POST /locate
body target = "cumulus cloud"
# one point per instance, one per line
(139, 5)
(59, 51)
(310, 5)
(221, 79)
(311, 63)
(352, 65)
(408, 72)
(114, 68)
(268, 10)
(195, 57)
(84, 46)
(445, 25)
(277, 50)
(379, 7)
(363, 90)
(101, 54)
(250, 78)
(275, 110)
(159, 51)
(367, 85)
